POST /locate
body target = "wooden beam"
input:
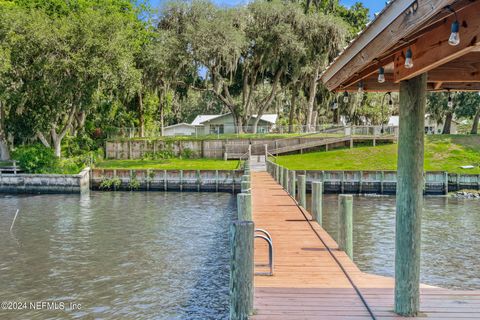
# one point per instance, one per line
(385, 32)
(464, 69)
(432, 49)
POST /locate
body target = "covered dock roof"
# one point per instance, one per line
(422, 28)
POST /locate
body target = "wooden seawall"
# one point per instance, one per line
(308, 283)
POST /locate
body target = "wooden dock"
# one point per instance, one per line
(309, 284)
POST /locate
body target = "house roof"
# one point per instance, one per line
(424, 26)
(180, 125)
(200, 119)
(203, 118)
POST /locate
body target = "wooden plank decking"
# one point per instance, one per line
(309, 284)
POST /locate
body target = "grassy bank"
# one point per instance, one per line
(170, 164)
(442, 153)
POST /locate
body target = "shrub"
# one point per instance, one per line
(188, 154)
(36, 158)
(109, 183)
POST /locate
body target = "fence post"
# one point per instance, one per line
(360, 185)
(266, 152)
(244, 204)
(302, 192)
(345, 224)
(317, 198)
(277, 172)
(293, 184)
(241, 269)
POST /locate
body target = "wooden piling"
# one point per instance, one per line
(409, 195)
(241, 269)
(244, 207)
(285, 179)
(345, 224)
(277, 173)
(245, 186)
(280, 176)
(293, 184)
(302, 190)
(317, 199)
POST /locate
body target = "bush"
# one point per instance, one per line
(110, 183)
(36, 159)
(188, 153)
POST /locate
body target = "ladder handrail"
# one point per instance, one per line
(268, 239)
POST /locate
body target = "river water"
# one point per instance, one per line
(117, 255)
(450, 238)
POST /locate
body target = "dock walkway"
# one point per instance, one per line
(309, 284)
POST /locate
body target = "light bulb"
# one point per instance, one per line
(408, 59)
(381, 75)
(454, 39)
(345, 97)
(450, 103)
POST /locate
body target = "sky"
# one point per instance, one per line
(373, 5)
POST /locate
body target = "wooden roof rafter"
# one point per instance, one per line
(426, 31)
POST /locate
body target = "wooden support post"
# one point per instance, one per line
(266, 152)
(345, 224)
(409, 195)
(293, 184)
(302, 190)
(351, 143)
(446, 183)
(285, 179)
(317, 198)
(374, 142)
(216, 180)
(241, 269)
(342, 183)
(277, 172)
(246, 177)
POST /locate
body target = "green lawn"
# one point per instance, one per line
(6, 163)
(442, 153)
(170, 164)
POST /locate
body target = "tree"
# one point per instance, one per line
(468, 106)
(59, 64)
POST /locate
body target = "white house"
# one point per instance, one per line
(224, 123)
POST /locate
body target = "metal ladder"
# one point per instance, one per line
(263, 234)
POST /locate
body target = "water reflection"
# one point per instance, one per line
(450, 238)
(121, 255)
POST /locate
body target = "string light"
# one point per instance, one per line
(360, 87)
(335, 104)
(409, 59)
(450, 100)
(454, 39)
(381, 75)
(345, 97)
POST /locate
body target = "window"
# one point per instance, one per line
(216, 129)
